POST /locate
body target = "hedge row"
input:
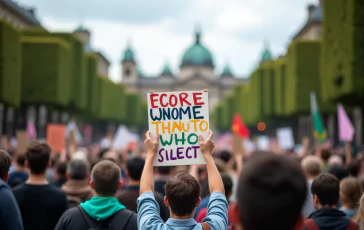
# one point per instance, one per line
(343, 51)
(280, 88)
(45, 71)
(39, 67)
(10, 65)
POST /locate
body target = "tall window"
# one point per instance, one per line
(127, 72)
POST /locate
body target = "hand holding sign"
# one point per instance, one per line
(151, 145)
(207, 146)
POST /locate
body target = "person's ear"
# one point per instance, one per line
(6, 177)
(92, 184)
(121, 183)
(67, 176)
(49, 164)
(26, 164)
(166, 203)
(198, 202)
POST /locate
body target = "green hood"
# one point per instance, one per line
(101, 208)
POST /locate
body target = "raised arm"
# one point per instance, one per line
(215, 181)
(147, 179)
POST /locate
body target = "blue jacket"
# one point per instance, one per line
(10, 217)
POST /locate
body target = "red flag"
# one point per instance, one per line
(238, 127)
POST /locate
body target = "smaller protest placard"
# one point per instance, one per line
(178, 117)
(22, 141)
(285, 138)
(56, 137)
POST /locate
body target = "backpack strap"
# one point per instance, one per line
(310, 225)
(120, 219)
(87, 218)
(123, 219)
(352, 226)
(205, 226)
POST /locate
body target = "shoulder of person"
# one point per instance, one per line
(131, 222)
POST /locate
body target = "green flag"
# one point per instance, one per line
(318, 127)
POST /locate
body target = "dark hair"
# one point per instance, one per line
(106, 177)
(38, 155)
(271, 192)
(77, 169)
(164, 170)
(225, 156)
(20, 159)
(5, 163)
(325, 154)
(327, 188)
(182, 192)
(338, 171)
(61, 168)
(228, 183)
(135, 167)
(353, 168)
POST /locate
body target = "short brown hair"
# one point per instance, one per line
(106, 177)
(5, 163)
(38, 155)
(350, 192)
(182, 192)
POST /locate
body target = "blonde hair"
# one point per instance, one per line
(350, 192)
(312, 166)
(359, 217)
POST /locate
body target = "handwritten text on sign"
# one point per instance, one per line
(179, 117)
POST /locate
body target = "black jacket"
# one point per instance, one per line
(330, 219)
(73, 219)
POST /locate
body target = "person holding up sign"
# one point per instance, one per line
(182, 194)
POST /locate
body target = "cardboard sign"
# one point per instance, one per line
(56, 137)
(285, 138)
(179, 117)
(22, 140)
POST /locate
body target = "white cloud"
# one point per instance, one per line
(156, 43)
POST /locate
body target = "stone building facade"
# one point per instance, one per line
(197, 72)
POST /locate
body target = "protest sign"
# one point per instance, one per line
(178, 117)
(56, 137)
(22, 141)
(285, 138)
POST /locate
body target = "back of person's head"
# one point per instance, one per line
(165, 170)
(335, 160)
(20, 160)
(361, 213)
(105, 178)
(5, 163)
(77, 170)
(225, 156)
(338, 171)
(61, 168)
(135, 168)
(183, 194)
(350, 192)
(311, 165)
(326, 190)
(113, 156)
(353, 168)
(228, 183)
(325, 154)
(271, 192)
(38, 155)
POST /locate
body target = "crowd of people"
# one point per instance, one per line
(94, 188)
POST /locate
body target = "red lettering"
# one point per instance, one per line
(161, 100)
(171, 98)
(183, 99)
(196, 98)
(152, 100)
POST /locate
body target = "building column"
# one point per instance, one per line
(358, 124)
(42, 121)
(9, 121)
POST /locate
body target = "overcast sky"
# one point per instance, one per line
(161, 30)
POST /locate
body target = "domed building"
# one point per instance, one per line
(196, 73)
